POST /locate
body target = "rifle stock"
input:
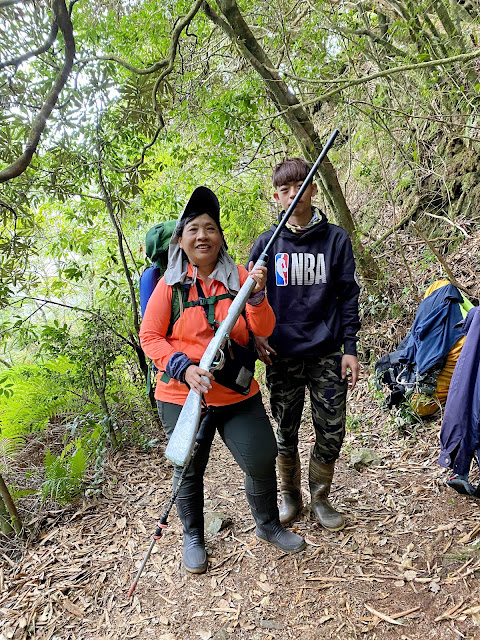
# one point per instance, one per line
(182, 441)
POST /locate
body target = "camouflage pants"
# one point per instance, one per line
(286, 381)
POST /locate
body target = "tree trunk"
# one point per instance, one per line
(144, 368)
(298, 121)
(8, 508)
(5, 526)
(99, 387)
(116, 224)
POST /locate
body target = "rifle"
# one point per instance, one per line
(180, 446)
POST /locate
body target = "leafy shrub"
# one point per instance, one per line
(64, 473)
(30, 395)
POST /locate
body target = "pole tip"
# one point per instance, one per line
(132, 589)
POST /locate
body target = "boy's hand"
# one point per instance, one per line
(350, 362)
(259, 275)
(194, 379)
(264, 349)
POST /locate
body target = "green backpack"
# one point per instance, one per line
(157, 242)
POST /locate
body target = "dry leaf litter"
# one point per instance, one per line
(405, 567)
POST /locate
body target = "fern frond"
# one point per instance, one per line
(64, 474)
(8, 446)
(78, 464)
(35, 393)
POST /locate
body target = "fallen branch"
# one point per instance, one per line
(456, 226)
(383, 616)
(443, 262)
(446, 614)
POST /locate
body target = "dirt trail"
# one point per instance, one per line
(405, 567)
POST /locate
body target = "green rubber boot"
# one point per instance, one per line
(320, 481)
(290, 487)
(265, 513)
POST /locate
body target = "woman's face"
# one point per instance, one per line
(201, 240)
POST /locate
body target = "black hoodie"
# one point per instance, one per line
(312, 288)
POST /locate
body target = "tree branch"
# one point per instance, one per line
(87, 311)
(295, 117)
(373, 37)
(448, 23)
(126, 65)
(442, 261)
(167, 65)
(139, 162)
(450, 222)
(9, 3)
(170, 59)
(181, 24)
(464, 57)
(109, 205)
(62, 19)
(36, 52)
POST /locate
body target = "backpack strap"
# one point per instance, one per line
(179, 302)
(180, 299)
(209, 304)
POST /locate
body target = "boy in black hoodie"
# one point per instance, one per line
(312, 287)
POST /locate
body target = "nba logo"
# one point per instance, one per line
(281, 269)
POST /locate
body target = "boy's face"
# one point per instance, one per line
(286, 193)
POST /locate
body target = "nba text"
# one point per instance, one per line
(300, 269)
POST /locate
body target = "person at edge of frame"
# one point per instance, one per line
(313, 290)
(198, 252)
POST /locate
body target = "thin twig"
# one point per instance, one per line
(445, 219)
(443, 262)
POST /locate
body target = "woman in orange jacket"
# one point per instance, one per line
(198, 259)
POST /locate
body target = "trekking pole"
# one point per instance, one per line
(162, 523)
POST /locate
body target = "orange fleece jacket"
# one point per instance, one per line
(192, 333)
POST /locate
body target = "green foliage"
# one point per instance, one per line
(32, 395)
(354, 423)
(64, 473)
(64, 290)
(405, 420)
(377, 305)
(84, 446)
